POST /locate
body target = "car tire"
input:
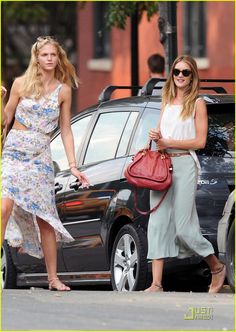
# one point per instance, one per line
(9, 273)
(129, 268)
(230, 257)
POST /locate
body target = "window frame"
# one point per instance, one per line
(190, 46)
(103, 110)
(99, 9)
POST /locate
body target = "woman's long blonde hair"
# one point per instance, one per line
(64, 71)
(191, 92)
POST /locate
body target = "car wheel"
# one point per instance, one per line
(129, 270)
(8, 269)
(230, 259)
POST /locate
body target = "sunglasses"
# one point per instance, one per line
(185, 72)
(41, 38)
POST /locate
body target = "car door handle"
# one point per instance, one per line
(75, 185)
(58, 187)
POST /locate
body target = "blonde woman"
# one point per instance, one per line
(174, 230)
(38, 99)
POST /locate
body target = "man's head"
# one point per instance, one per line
(156, 65)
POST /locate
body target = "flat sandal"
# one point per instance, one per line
(158, 287)
(62, 288)
(218, 288)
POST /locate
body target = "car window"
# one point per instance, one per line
(58, 153)
(149, 120)
(126, 135)
(106, 136)
(220, 140)
(79, 129)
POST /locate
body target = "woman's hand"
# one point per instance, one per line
(3, 91)
(154, 135)
(163, 144)
(81, 177)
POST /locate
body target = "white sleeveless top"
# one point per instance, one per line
(172, 126)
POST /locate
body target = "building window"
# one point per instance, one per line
(195, 29)
(101, 33)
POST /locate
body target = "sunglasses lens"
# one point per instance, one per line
(186, 72)
(176, 72)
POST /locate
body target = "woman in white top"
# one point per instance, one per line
(173, 229)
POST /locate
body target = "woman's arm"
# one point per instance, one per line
(14, 98)
(155, 134)
(3, 114)
(201, 127)
(67, 135)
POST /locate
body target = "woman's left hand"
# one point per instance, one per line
(163, 144)
(81, 177)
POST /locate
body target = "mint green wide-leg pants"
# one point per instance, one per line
(173, 229)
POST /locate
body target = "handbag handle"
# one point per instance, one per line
(145, 213)
(148, 145)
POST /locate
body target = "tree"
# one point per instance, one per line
(117, 15)
(118, 11)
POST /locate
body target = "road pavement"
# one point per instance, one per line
(40, 309)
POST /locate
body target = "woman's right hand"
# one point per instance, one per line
(3, 91)
(81, 177)
(154, 135)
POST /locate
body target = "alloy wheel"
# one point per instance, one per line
(125, 263)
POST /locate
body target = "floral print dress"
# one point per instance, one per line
(28, 174)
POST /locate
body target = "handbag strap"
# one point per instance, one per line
(145, 213)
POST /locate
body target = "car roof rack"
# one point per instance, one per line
(149, 86)
(105, 95)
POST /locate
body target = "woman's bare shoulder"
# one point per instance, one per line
(18, 82)
(65, 93)
(200, 101)
(65, 88)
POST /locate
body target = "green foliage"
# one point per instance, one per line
(23, 21)
(119, 11)
(21, 12)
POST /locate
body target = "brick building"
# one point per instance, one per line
(204, 30)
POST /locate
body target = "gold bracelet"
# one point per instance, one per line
(72, 162)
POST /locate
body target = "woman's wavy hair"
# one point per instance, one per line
(191, 92)
(64, 71)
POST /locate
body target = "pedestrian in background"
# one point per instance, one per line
(156, 68)
(38, 99)
(173, 230)
(156, 65)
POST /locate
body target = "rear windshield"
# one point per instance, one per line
(220, 141)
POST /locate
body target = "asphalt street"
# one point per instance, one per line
(40, 309)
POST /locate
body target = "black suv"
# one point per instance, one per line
(110, 236)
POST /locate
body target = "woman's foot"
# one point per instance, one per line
(218, 278)
(154, 288)
(55, 284)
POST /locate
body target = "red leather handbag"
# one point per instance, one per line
(150, 170)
